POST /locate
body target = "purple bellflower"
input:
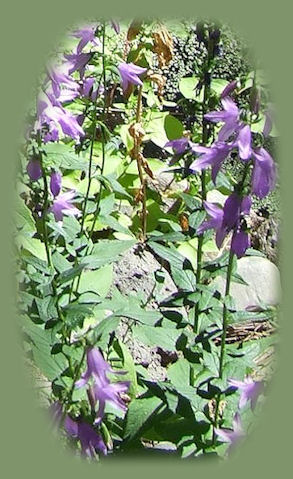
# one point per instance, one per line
(263, 174)
(179, 146)
(129, 74)
(229, 116)
(210, 156)
(89, 91)
(250, 390)
(62, 206)
(231, 436)
(86, 35)
(103, 390)
(243, 142)
(55, 183)
(91, 442)
(227, 219)
(34, 170)
(229, 88)
(215, 222)
(52, 114)
(59, 76)
(78, 62)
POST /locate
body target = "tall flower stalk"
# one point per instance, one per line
(205, 137)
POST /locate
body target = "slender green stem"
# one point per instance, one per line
(205, 138)
(75, 285)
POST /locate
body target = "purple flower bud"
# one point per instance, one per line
(55, 183)
(229, 88)
(34, 170)
(129, 73)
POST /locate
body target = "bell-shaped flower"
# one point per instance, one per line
(62, 205)
(240, 242)
(59, 76)
(86, 35)
(51, 113)
(229, 88)
(210, 156)
(229, 435)
(243, 142)
(104, 391)
(215, 222)
(96, 367)
(34, 170)
(179, 146)
(227, 219)
(229, 116)
(90, 441)
(250, 390)
(263, 174)
(78, 62)
(129, 73)
(55, 183)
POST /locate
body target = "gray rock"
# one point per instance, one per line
(263, 280)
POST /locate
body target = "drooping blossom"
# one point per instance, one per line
(229, 88)
(243, 142)
(263, 173)
(59, 77)
(210, 156)
(250, 390)
(129, 73)
(55, 183)
(89, 90)
(90, 441)
(103, 390)
(229, 219)
(179, 145)
(229, 116)
(62, 205)
(86, 35)
(34, 170)
(116, 27)
(52, 114)
(78, 62)
(231, 435)
(215, 222)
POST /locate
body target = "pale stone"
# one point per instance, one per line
(263, 283)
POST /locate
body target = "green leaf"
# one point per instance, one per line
(153, 336)
(98, 281)
(187, 87)
(59, 155)
(173, 127)
(33, 245)
(139, 413)
(218, 85)
(178, 373)
(24, 218)
(107, 251)
(42, 341)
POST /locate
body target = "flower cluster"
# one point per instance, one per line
(101, 389)
(264, 171)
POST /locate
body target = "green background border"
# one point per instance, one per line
(29, 31)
